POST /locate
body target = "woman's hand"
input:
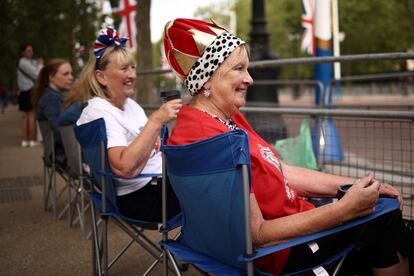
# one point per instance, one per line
(360, 199)
(167, 112)
(390, 191)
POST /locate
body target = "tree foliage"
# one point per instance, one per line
(54, 28)
(214, 11)
(144, 83)
(370, 26)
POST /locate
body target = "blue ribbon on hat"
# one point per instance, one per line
(107, 37)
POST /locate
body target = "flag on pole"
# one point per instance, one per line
(126, 9)
(308, 38)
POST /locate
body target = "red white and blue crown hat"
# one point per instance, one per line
(107, 37)
(195, 49)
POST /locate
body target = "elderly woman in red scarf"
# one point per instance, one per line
(213, 65)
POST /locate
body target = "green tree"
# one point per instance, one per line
(145, 83)
(375, 27)
(215, 12)
(53, 28)
(370, 27)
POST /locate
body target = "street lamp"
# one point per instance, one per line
(260, 50)
(269, 126)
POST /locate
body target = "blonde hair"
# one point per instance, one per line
(88, 86)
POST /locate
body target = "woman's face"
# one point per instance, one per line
(63, 79)
(28, 52)
(118, 77)
(229, 83)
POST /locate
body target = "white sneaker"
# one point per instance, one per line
(25, 143)
(33, 144)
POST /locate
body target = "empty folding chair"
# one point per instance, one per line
(77, 179)
(50, 168)
(215, 203)
(92, 138)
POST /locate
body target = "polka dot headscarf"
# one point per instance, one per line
(195, 49)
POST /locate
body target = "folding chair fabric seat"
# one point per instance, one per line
(93, 140)
(208, 179)
(77, 179)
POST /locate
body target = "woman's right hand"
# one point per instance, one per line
(361, 198)
(167, 112)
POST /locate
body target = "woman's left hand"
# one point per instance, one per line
(388, 190)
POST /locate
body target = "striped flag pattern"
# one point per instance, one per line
(128, 27)
(308, 38)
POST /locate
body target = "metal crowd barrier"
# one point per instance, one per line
(353, 142)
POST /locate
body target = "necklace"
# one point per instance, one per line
(228, 123)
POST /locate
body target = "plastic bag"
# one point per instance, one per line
(297, 151)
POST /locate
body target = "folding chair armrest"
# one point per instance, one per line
(384, 205)
(142, 175)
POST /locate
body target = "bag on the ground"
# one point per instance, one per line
(297, 151)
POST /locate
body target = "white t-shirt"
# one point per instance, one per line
(122, 127)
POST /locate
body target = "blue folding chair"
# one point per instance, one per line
(93, 140)
(211, 179)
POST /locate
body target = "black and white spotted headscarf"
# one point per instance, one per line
(210, 60)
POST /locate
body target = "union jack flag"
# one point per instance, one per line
(308, 40)
(128, 27)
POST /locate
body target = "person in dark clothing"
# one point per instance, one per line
(54, 79)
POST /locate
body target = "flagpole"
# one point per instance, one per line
(326, 142)
(336, 48)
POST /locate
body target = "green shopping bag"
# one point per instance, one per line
(297, 151)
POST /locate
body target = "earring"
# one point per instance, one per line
(206, 93)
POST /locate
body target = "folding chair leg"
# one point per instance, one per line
(164, 260)
(58, 196)
(174, 263)
(54, 195)
(104, 244)
(48, 188)
(155, 246)
(165, 263)
(82, 210)
(81, 220)
(125, 248)
(148, 271)
(338, 267)
(145, 243)
(45, 186)
(70, 203)
(142, 240)
(64, 210)
(96, 259)
(74, 209)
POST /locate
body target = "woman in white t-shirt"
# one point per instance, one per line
(107, 81)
